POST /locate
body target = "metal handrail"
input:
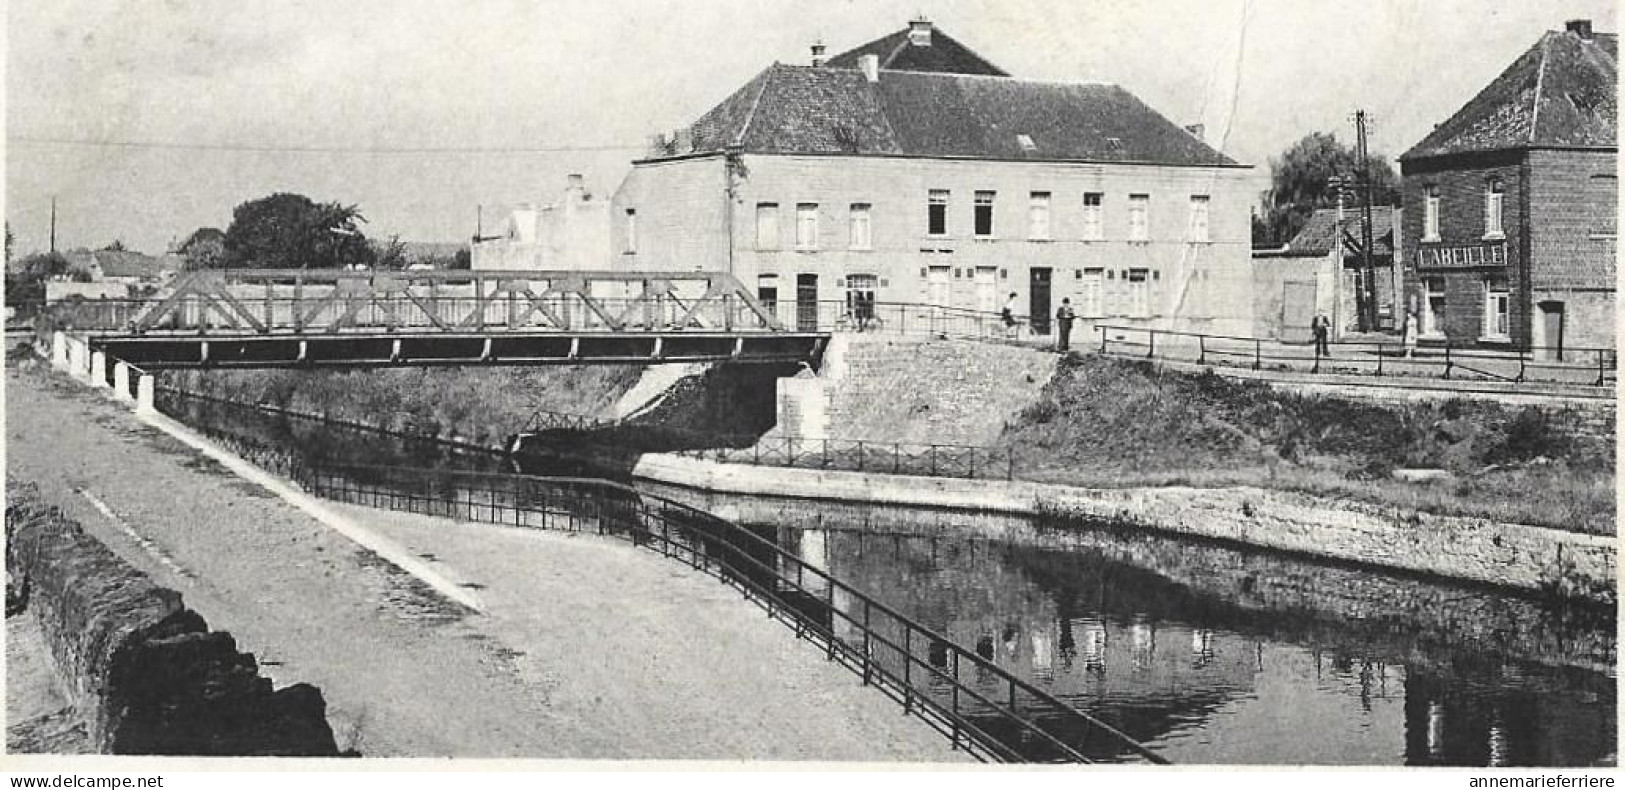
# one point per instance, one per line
(644, 511)
(853, 455)
(1369, 357)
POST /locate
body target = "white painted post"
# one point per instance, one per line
(143, 395)
(121, 380)
(59, 350)
(78, 360)
(98, 369)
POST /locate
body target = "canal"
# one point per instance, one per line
(1207, 653)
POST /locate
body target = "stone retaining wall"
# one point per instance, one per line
(145, 672)
(1508, 555)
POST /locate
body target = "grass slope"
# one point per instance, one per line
(1110, 422)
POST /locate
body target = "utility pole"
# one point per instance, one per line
(1368, 268)
(53, 223)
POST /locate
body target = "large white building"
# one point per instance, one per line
(911, 169)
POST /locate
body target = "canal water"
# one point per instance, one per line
(1207, 653)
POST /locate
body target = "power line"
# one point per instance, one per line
(315, 149)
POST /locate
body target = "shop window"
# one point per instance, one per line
(1430, 213)
(1492, 210)
(1497, 309)
(860, 230)
(1433, 306)
(1092, 224)
(936, 213)
(1139, 217)
(1038, 216)
(984, 214)
(767, 226)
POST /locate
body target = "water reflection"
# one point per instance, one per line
(1203, 680)
(1210, 655)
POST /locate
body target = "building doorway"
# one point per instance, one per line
(939, 286)
(767, 293)
(807, 302)
(1549, 331)
(987, 289)
(1038, 295)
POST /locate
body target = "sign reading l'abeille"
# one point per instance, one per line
(1462, 257)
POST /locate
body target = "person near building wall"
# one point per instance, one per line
(1063, 326)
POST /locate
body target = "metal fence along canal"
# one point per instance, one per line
(982, 708)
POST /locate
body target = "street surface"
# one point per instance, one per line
(589, 648)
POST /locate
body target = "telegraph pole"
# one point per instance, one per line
(1368, 268)
(53, 223)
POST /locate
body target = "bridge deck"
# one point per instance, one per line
(427, 348)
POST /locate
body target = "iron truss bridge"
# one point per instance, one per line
(287, 318)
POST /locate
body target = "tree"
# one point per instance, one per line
(390, 255)
(204, 249)
(1299, 184)
(288, 231)
(116, 245)
(10, 240)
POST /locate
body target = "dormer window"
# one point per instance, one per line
(919, 32)
(1026, 143)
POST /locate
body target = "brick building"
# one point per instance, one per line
(913, 170)
(1510, 205)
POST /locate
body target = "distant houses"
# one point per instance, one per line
(111, 274)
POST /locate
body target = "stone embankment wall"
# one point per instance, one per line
(145, 672)
(913, 390)
(1509, 555)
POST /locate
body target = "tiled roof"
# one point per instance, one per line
(822, 110)
(943, 55)
(116, 263)
(1560, 93)
(1320, 234)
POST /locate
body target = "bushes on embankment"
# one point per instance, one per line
(1110, 422)
(146, 673)
(481, 405)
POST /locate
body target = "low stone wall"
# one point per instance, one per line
(1508, 555)
(145, 672)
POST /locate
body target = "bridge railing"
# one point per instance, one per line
(980, 706)
(1370, 357)
(330, 301)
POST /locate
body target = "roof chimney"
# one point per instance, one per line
(919, 31)
(871, 67)
(818, 53)
(1580, 27)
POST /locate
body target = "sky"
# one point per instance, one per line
(147, 119)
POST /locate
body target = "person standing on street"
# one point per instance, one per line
(1323, 330)
(1063, 326)
(1408, 332)
(1008, 315)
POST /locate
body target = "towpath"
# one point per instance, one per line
(587, 648)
